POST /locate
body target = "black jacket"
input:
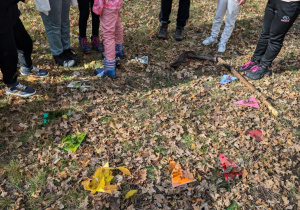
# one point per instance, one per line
(9, 14)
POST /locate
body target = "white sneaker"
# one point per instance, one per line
(210, 40)
(222, 47)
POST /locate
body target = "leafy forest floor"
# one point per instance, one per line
(153, 114)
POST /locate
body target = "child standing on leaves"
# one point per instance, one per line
(232, 7)
(84, 12)
(112, 34)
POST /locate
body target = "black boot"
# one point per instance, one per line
(162, 34)
(63, 60)
(179, 33)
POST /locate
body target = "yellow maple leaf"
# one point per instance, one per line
(130, 193)
(98, 173)
(124, 170)
(102, 183)
(110, 188)
(108, 179)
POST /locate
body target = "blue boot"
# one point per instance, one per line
(108, 70)
(119, 51)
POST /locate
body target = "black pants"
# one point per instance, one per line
(279, 18)
(84, 9)
(182, 15)
(11, 42)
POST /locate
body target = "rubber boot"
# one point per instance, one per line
(108, 70)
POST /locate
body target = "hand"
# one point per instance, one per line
(241, 2)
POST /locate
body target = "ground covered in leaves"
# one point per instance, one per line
(153, 114)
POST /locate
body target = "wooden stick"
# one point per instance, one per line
(220, 62)
(261, 96)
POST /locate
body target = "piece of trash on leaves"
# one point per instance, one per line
(256, 134)
(52, 115)
(248, 102)
(230, 169)
(76, 73)
(72, 142)
(226, 79)
(79, 84)
(101, 180)
(143, 59)
(179, 176)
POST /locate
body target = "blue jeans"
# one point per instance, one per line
(57, 25)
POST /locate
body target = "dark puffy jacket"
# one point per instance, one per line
(9, 14)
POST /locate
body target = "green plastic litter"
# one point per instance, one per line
(52, 115)
(72, 142)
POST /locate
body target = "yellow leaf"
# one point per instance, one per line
(102, 183)
(65, 116)
(124, 170)
(86, 66)
(130, 193)
(108, 179)
(106, 165)
(85, 184)
(110, 188)
(98, 173)
(199, 177)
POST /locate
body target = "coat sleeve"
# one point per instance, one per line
(7, 3)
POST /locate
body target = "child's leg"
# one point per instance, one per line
(24, 44)
(84, 12)
(95, 21)
(119, 30)
(8, 57)
(282, 22)
(65, 24)
(232, 13)
(221, 10)
(108, 20)
(52, 24)
(265, 34)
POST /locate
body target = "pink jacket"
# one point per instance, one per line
(110, 4)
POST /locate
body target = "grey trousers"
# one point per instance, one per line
(57, 25)
(232, 8)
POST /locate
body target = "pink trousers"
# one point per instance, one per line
(112, 31)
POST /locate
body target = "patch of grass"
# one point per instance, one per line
(73, 199)
(6, 203)
(134, 147)
(160, 150)
(188, 141)
(14, 172)
(233, 206)
(151, 173)
(25, 135)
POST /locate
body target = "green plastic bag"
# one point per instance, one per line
(72, 142)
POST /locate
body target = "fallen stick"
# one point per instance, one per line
(220, 62)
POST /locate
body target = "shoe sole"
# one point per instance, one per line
(34, 75)
(269, 73)
(23, 96)
(161, 37)
(210, 43)
(179, 40)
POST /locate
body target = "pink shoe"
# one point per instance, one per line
(247, 66)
